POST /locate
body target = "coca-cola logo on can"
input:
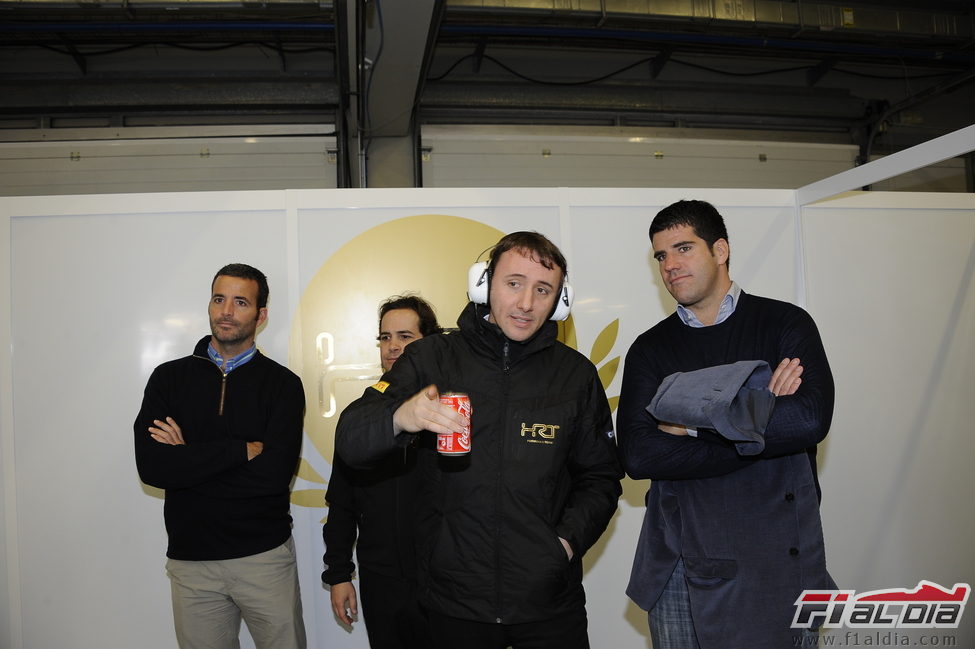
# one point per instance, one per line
(457, 442)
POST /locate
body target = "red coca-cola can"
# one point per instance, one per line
(459, 441)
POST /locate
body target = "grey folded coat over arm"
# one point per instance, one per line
(733, 400)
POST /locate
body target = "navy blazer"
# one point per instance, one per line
(747, 526)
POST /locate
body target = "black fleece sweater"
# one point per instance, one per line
(219, 505)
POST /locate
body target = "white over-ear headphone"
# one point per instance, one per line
(478, 281)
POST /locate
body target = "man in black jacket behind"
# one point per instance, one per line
(375, 510)
(501, 531)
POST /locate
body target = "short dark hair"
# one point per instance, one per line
(701, 216)
(243, 271)
(538, 247)
(415, 303)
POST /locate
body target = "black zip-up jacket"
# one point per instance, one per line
(219, 505)
(542, 466)
(377, 506)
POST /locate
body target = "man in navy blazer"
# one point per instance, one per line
(730, 538)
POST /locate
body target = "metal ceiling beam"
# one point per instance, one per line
(393, 49)
(398, 47)
(171, 5)
(717, 100)
(399, 40)
(876, 124)
(206, 94)
(715, 40)
(950, 20)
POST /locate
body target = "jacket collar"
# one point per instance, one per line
(201, 350)
(487, 337)
(201, 347)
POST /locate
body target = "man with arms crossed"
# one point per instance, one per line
(501, 531)
(380, 503)
(729, 541)
(220, 431)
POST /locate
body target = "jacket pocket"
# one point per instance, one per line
(704, 572)
(542, 575)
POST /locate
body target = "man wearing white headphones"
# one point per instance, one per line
(501, 531)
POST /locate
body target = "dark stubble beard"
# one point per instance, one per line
(229, 339)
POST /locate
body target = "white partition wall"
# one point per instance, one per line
(102, 290)
(890, 281)
(96, 290)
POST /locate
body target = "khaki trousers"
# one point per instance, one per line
(211, 597)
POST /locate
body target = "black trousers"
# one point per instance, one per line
(393, 618)
(565, 632)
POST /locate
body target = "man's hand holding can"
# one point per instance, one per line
(456, 442)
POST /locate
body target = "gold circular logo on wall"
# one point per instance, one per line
(333, 334)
